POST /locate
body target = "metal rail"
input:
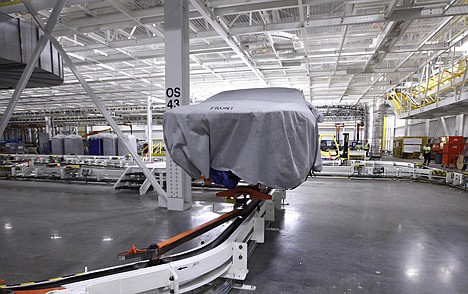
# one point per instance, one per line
(396, 170)
(225, 257)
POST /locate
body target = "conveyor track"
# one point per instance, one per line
(237, 215)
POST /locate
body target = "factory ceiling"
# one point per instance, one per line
(336, 52)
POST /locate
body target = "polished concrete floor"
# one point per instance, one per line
(52, 229)
(361, 236)
(336, 235)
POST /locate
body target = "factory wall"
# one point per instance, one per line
(399, 127)
(139, 131)
(456, 125)
(417, 128)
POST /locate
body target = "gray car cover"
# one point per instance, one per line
(267, 136)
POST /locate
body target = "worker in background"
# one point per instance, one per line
(427, 154)
(367, 147)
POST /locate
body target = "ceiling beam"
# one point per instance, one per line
(16, 7)
(401, 13)
(218, 25)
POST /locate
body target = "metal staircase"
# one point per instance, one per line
(439, 91)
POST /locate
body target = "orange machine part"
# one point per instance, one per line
(185, 234)
(134, 250)
(236, 192)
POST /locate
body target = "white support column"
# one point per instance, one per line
(48, 126)
(99, 105)
(179, 190)
(406, 127)
(460, 122)
(28, 70)
(444, 125)
(427, 127)
(149, 126)
(462, 125)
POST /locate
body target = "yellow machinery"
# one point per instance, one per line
(329, 148)
(427, 92)
(158, 148)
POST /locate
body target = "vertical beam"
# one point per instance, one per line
(384, 136)
(179, 190)
(444, 125)
(369, 118)
(406, 127)
(28, 70)
(149, 126)
(462, 125)
(48, 126)
(304, 40)
(460, 119)
(98, 103)
(427, 127)
(378, 127)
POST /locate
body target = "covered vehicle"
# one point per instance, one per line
(265, 136)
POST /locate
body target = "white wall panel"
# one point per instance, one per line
(451, 125)
(436, 129)
(418, 129)
(399, 131)
(465, 126)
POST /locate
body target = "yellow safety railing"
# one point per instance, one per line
(401, 100)
(428, 91)
(448, 79)
(158, 149)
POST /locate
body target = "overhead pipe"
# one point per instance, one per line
(27, 72)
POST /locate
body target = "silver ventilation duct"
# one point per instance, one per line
(17, 42)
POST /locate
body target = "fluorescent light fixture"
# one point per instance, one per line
(327, 50)
(77, 56)
(105, 66)
(97, 51)
(291, 63)
(128, 63)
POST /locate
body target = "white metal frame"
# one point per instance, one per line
(396, 169)
(337, 52)
(228, 260)
(46, 29)
(179, 190)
